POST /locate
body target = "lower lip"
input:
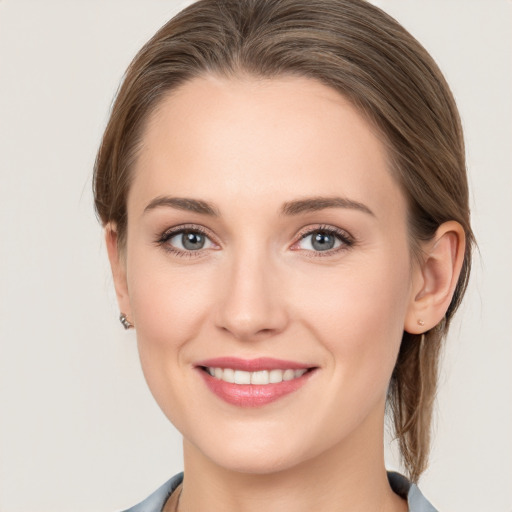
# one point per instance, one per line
(253, 395)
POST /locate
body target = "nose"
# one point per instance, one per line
(252, 306)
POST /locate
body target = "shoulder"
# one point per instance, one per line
(156, 501)
(415, 499)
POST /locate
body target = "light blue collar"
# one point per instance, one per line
(416, 501)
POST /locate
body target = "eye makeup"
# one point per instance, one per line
(190, 233)
(327, 240)
(324, 235)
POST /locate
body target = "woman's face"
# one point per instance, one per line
(266, 233)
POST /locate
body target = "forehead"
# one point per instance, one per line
(249, 139)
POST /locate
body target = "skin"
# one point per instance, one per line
(257, 289)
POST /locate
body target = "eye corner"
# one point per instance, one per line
(163, 238)
(341, 241)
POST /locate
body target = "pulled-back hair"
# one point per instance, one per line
(365, 55)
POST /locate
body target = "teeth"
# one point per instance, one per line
(259, 378)
(275, 376)
(242, 377)
(228, 374)
(289, 374)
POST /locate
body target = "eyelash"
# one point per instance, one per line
(347, 241)
(170, 233)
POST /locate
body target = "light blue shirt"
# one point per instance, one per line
(400, 485)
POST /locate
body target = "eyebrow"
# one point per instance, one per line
(311, 204)
(290, 208)
(183, 203)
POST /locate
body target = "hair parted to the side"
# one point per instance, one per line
(357, 49)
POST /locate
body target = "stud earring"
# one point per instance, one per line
(124, 320)
(421, 322)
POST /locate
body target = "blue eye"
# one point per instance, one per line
(324, 239)
(192, 241)
(188, 240)
(185, 240)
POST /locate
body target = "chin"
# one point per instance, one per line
(261, 463)
(262, 456)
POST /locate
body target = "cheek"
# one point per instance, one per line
(358, 313)
(169, 308)
(168, 305)
(165, 294)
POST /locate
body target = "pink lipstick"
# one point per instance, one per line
(253, 382)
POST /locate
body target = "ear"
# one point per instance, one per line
(435, 278)
(118, 266)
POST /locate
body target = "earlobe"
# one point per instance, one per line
(435, 278)
(118, 266)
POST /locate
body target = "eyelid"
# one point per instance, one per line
(174, 230)
(169, 233)
(347, 240)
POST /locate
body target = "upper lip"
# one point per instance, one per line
(252, 365)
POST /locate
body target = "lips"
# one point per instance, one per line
(254, 382)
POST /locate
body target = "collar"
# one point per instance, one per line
(400, 485)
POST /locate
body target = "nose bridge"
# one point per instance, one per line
(252, 304)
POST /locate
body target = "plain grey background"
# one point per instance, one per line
(78, 428)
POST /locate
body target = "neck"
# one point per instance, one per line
(350, 476)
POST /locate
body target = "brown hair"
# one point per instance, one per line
(372, 60)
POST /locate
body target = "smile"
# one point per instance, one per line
(253, 383)
(259, 378)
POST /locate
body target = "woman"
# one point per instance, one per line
(283, 189)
